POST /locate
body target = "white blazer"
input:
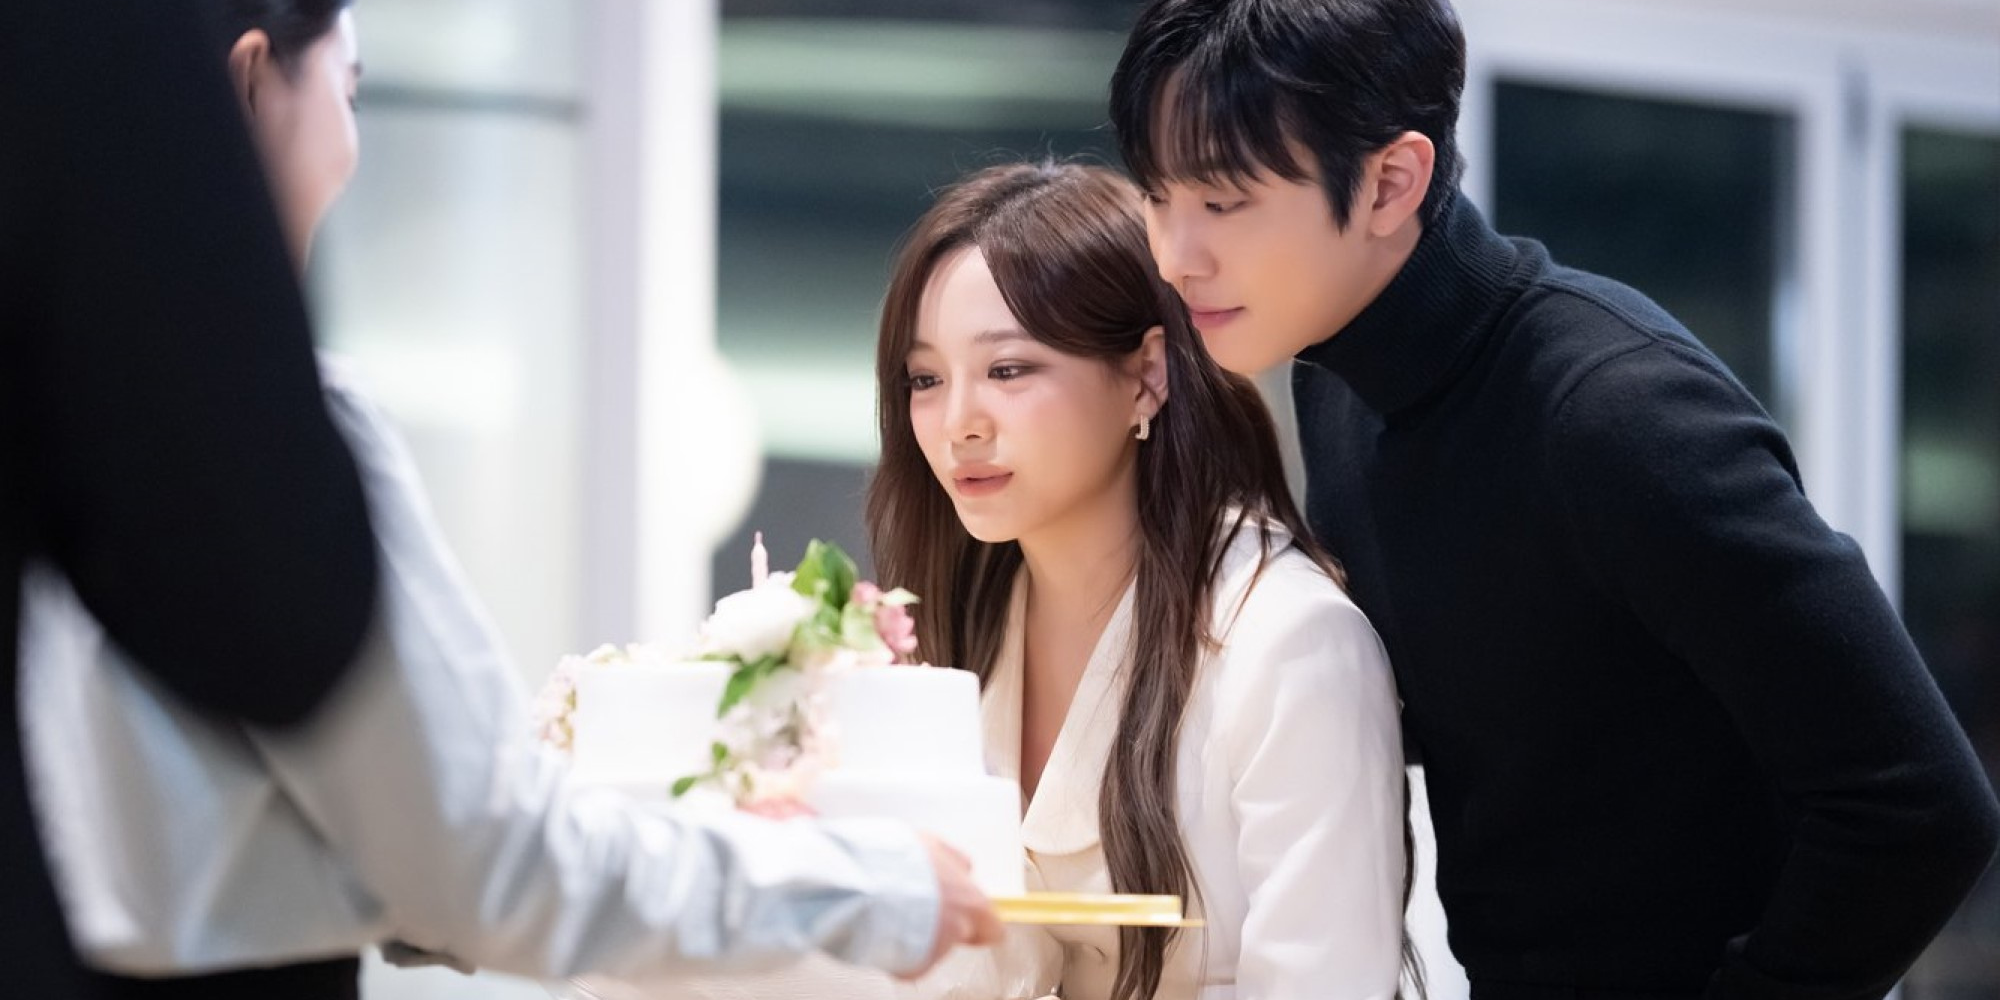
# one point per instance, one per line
(1290, 803)
(1290, 792)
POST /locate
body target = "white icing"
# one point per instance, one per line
(906, 719)
(645, 724)
(907, 738)
(978, 814)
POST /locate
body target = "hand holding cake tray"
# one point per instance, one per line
(801, 694)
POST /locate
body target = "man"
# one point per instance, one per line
(1676, 740)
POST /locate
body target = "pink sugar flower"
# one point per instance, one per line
(892, 617)
(899, 630)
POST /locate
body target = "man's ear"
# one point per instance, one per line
(1395, 182)
(249, 59)
(1150, 365)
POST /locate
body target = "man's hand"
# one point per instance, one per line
(964, 914)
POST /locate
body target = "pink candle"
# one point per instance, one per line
(760, 561)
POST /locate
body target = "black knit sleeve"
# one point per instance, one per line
(1686, 503)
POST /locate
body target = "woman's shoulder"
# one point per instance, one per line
(1276, 609)
(1264, 574)
(373, 438)
(1291, 649)
(345, 389)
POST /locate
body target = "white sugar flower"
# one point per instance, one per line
(756, 623)
(555, 705)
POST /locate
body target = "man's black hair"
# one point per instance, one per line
(1240, 81)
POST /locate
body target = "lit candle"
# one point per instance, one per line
(760, 561)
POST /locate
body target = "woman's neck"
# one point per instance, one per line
(1083, 565)
(1077, 571)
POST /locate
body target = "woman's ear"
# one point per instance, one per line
(1151, 362)
(249, 60)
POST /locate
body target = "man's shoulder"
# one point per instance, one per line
(1572, 329)
(1322, 399)
(1593, 311)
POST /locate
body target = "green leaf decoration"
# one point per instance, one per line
(681, 787)
(818, 634)
(718, 752)
(810, 580)
(738, 688)
(857, 629)
(744, 680)
(826, 623)
(826, 574)
(841, 574)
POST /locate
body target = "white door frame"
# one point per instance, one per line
(1950, 84)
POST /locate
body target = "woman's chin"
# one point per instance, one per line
(986, 531)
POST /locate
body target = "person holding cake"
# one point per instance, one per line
(253, 863)
(1097, 516)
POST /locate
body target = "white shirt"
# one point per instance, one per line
(414, 804)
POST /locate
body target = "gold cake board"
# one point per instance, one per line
(1103, 911)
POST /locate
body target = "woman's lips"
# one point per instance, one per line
(981, 485)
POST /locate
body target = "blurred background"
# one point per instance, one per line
(614, 266)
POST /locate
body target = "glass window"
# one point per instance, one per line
(1688, 203)
(1951, 479)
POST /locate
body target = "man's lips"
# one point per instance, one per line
(1211, 319)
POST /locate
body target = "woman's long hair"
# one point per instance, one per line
(1067, 247)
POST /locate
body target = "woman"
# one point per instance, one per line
(1098, 518)
(415, 803)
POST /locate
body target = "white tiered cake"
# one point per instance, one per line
(797, 698)
(905, 744)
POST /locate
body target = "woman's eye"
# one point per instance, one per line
(921, 381)
(1008, 373)
(1222, 207)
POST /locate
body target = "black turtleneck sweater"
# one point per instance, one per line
(1675, 737)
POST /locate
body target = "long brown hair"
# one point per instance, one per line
(1067, 247)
